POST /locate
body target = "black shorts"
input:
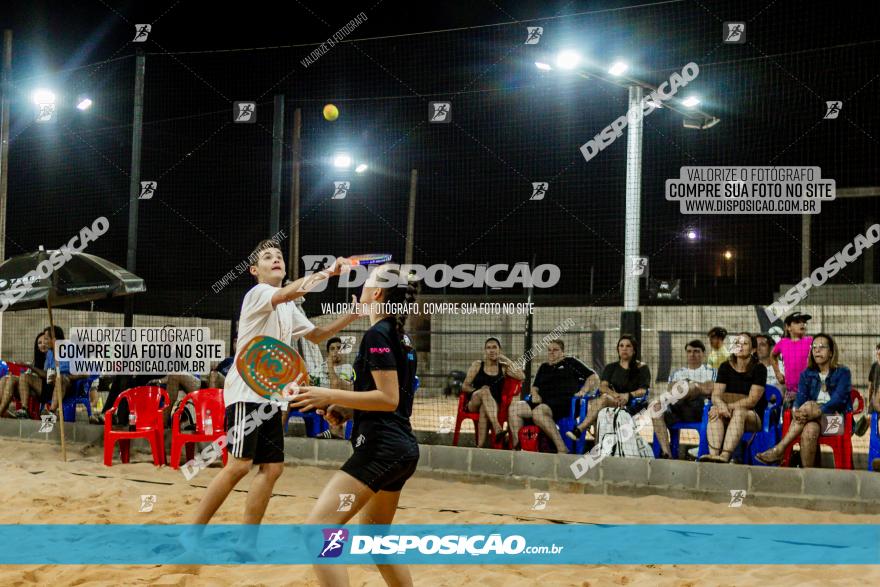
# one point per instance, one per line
(686, 410)
(380, 474)
(255, 432)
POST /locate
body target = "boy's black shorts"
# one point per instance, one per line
(255, 431)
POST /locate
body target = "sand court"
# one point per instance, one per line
(43, 490)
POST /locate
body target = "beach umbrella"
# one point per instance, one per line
(61, 278)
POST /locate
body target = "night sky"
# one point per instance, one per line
(512, 125)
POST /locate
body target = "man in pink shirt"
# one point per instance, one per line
(795, 351)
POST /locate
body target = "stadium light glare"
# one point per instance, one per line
(690, 101)
(728, 255)
(618, 68)
(43, 96)
(691, 234)
(84, 103)
(568, 59)
(342, 160)
(543, 66)
(360, 168)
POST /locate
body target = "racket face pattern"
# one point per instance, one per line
(370, 259)
(267, 365)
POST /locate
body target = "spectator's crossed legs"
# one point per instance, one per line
(804, 423)
(482, 401)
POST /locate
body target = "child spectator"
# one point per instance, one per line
(794, 348)
(718, 355)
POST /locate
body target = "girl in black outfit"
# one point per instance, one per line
(385, 449)
(738, 400)
(485, 381)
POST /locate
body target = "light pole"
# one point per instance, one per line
(134, 188)
(616, 74)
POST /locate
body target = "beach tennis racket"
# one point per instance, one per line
(268, 366)
(372, 259)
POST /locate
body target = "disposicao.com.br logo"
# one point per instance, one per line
(449, 544)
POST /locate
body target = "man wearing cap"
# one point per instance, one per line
(795, 350)
(719, 353)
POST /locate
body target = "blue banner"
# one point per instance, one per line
(564, 544)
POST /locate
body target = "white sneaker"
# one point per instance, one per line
(694, 452)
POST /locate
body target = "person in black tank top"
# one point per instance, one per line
(484, 384)
(385, 451)
(738, 400)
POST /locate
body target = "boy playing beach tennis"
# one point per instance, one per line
(254, 427)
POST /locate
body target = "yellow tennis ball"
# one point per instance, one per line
(331, 112)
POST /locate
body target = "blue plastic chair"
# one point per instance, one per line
(634, 404)
(874, 446)
(771, 430)
(675, 434)
(752, 442)
(577, 414)
(79, 395)
(315, 424)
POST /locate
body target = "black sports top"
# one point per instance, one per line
(385, 434)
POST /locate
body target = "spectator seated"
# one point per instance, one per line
(532, 439)
(511, 389)
(841, 444)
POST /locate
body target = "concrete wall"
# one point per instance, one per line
(823, 489)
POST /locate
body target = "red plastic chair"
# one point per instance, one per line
(840, 445)
(16, 368)
(33, 407)
(204, 400)
(146, 403)
(510, 390)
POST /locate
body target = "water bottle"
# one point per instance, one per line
(209, 423)
(132, 422)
